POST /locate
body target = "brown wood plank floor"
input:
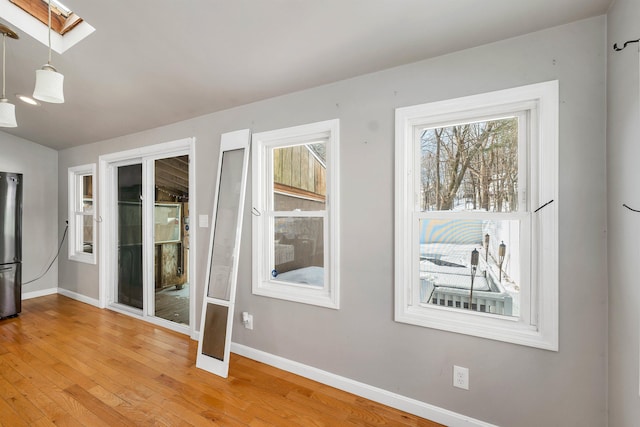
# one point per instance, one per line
(66, 363)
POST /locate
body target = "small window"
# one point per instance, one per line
(82, 230)
(295, 207)
(474, 253)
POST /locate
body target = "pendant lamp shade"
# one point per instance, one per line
(49, 85)
(48, 80)
(7, 114)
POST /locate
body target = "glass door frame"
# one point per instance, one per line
(108, 255)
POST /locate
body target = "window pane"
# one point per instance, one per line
(86, 188)
(167, 222)
(225, 228)
(84, 193)
(130, 271)
(300, 177)
(471, 166)
(87, 233)
(299, 250)
(447, 270)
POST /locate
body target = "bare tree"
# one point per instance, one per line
(475, 162)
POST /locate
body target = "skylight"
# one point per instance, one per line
(63, 19)
(32, 17)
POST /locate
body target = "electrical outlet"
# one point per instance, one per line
(461, 377)
(247, 320)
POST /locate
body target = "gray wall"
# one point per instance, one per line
(511, 385)
(39, 166)
(623, 152)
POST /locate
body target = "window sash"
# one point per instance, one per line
(526, 261)
(524, 117)
(81, 221)
(287, 143)
(269, 248)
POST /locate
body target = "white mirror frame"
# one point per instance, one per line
(229, 141)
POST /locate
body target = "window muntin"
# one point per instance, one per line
(295, 233)
(437, 229)
(82, 230)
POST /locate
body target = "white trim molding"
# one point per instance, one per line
(61, 291)
(40, 293)
(79, 297)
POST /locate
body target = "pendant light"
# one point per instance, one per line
(7, 109)
(48, 80)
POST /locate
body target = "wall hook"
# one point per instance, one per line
(255, 212)
(618, 49)
(546, 204)
(631, 209)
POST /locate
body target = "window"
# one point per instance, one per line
(62, 18)
(295, 214)
(82, 230)
(476, 215)
(32, 18)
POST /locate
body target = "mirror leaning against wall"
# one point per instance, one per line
(221, 280)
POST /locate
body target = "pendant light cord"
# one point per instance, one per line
(4, 40)
(49, 3)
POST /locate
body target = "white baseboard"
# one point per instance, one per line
(403, 403)
(40, 293)
(79, 297)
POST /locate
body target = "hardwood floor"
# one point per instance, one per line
(173, 304)
(66, 363)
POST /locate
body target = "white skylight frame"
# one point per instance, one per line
(33, 27)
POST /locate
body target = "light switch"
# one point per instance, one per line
(203, 221)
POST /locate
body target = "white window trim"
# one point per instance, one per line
(329, 295)
(543, 295)
(76, 254)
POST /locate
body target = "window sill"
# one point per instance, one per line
(319, 297)
(84, 258)
(483, 325)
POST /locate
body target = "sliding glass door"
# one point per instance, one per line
(146, 249)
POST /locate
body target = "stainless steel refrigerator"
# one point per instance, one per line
(10, 244)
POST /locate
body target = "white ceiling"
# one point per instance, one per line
(155, 62)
